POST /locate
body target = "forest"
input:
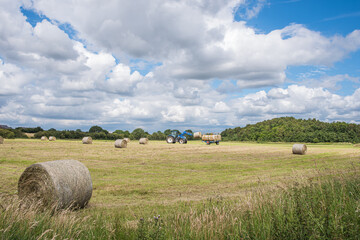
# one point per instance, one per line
(290, 129)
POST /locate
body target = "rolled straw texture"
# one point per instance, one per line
(197, 135)
(87, 140)
(52, 138)
(120, 143)
(299, 149)
(143, 141)
(61, 183)
(44, 138)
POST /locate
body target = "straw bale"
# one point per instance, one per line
(197, 135)
(127, 140)
(299, 149)
(87, 140)
(1, 140)
(143, 141)
(120, 143)
(61, 183)
(52, 138)
(44, 138)
(215, 138)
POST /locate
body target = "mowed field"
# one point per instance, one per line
(142, 181)
(161, 173)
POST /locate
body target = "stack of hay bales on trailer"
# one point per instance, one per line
(208, 138)
(52, 138)
(87, 140)
(44, 138)
(120, 143)
(1, 140)
(299, 149)
(143, 141)
(211, 139)
(60, 184)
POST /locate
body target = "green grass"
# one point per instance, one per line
(230, 191)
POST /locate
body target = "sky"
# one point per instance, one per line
(204, 65)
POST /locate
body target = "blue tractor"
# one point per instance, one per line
(174, 137)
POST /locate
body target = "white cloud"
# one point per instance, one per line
(48, 78)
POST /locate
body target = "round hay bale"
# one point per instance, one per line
(60, 184)
(127, 140)
(143, 141)
(1, 140)
(44, 138)
(87, 140)
(299, 149)
(197, 135)
(120, 143)
(52, 138)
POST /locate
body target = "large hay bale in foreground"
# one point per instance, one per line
(44, 138)
(143, 141)
(52, 138)
(127, 140)
(1, 140)
(62, 184)
(120, 143)
(87, 140)
(299, 149)
(197, 135)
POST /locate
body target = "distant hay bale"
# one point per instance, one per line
(143, 141)
(44, 138)
(120, 143)
(62, 184)
(87, 140)
(52, 138)
(197, 135)
(299, 149)
(1, 140)
(127, 140)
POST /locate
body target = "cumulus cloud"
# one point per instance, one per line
(152, 63)
(299, 101)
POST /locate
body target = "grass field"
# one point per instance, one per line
(181, 183)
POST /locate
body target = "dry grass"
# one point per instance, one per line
(169, 173)
(203, 186)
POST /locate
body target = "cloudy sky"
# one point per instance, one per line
(200, 64)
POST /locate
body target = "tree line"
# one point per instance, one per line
(96, 132)
(290, 129)
(284, 129)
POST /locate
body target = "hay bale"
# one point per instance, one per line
(44, 138)
(52, 138)
(120, 143)
(1, 140)
(127, 140)
(211, 138)
(62, 184)
(143, 141)
(197, 135)
(299, 149)
(87, 140)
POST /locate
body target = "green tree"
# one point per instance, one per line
(97, 129)
(138, 133)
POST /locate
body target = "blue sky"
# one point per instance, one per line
(205, 65)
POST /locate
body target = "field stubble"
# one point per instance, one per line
(230, 191)
(160, 173)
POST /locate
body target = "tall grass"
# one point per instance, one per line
(320, 208)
